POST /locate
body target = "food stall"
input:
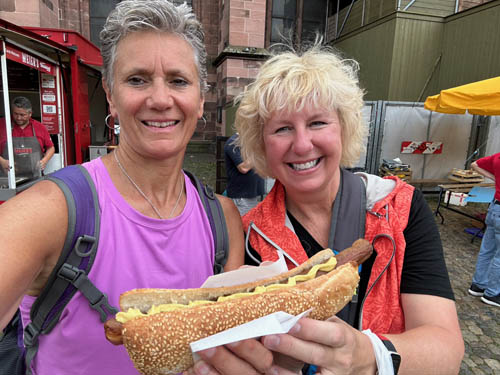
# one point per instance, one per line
(478, 98)
(58, 71)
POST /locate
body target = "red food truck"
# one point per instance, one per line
(59, 72)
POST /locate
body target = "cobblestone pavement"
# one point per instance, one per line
(480, 323)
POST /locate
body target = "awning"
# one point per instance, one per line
(478, 98)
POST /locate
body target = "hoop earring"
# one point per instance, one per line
(204, 122)
(106, 122)
(115, 127)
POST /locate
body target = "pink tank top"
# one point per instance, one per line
(135, 251)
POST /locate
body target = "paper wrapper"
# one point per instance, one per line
(276, 323)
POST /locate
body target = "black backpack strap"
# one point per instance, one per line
(75, 261)
(348, 224)
(217, 221)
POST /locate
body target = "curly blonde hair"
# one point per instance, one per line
(289, 81)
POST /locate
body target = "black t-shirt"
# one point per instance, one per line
(424, 268)
(239, 185)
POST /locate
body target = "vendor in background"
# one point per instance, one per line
(244, 186)
(31, 141)
(486, 280)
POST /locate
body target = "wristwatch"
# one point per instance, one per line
(395, 356)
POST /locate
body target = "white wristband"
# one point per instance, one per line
(382, 355)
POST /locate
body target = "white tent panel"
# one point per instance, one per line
(406, 123)
(367, 117)
(493, 145)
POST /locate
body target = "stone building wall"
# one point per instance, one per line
(38, 13)
(57, 14)
(75, 16)
(207, 12)
(241, 50)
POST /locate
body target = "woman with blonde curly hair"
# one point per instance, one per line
(301, 123)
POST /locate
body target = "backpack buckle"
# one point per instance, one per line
(69, 273)
(102, 305)
(209, 192)
(31, 333)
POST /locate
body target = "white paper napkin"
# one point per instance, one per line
(246, 275)
(276, 323)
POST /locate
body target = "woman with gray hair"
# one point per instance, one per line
(154, 230)
(301, 123)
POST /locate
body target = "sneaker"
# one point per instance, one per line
(493, 301)
(476, 291)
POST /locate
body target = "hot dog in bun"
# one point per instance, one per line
(157, 325)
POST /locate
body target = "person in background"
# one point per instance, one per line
(31, 141)
(154, 230)
(301, 122)
(244, 186)
(486, 279)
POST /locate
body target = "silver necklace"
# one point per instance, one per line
(144, 195)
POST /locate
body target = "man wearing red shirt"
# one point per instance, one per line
(31, 141)
(486, 280)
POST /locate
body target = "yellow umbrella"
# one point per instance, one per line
(478, 98)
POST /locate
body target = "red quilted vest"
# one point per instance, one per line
(382, 311)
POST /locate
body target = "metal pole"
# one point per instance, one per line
(61, 135)
(345, 19)
(409, 5)
(399, 5)
(8, 126)
(325, 34)
(363, 13)
(427, 139)
(456, 6)
(337, 19)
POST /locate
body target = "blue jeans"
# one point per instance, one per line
(487, 275)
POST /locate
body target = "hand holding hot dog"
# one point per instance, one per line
(159, 342)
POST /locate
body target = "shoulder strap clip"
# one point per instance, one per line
(82, 243)
(209, 192)
(31, 333)
(103, 307)
(97, 300)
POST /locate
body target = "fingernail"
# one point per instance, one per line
(209, 353)
(272, 371)
(201, 367)
(295, 329)
(233, 344)
(272, 341)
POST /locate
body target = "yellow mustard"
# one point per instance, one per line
(122, 316)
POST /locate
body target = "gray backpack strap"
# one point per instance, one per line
(76, 259)
(217, 221)
(348, 212)
(348, 224)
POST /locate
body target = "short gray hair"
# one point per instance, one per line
(22, 102)
(157, 15)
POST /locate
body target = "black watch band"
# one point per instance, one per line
(395, 356)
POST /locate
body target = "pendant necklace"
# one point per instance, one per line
(142, 193)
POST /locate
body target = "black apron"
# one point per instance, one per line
(27, 155)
